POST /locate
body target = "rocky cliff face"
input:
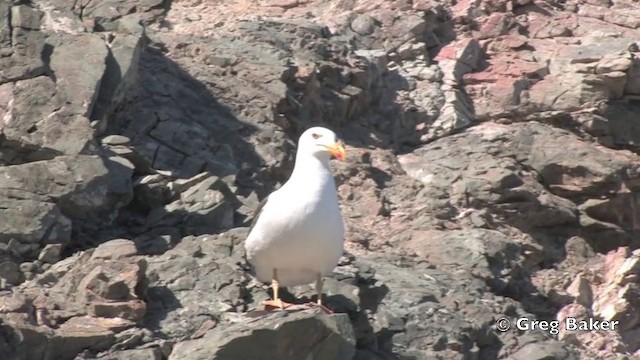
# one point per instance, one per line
(492, 172)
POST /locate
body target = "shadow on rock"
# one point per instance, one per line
(160, 302)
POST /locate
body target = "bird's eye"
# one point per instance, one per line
(315, 136)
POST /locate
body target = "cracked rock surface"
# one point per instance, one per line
(492, 173)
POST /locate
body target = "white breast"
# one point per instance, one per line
(300, 232)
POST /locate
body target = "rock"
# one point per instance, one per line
(22, 43)
(115, 140)
(363, 25)
(111, 281)
(50, 253)
(192, 277)
(204, 208)
(614, 299)
(492, 172)
(502, 179)
(70, 339)
(10, 270)
(9, 341)
(121, 72)
(580, 289)
(486, 252)
(74, 55)
(114, 324)
(151, 191)
(276, 337)
(598, 343)
(35, 340)
(137, 354)
(115, 249)
(548, 350)
(96, 174)
(133, 310)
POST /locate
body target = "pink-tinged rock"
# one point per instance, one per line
(112, 281)
(133, 310)
(568, 92)
(614, 62)
(572, 310)
(363, 7)
(497, 98)
(580, 290)
(400, 5)
(622, 266)
(544, 27)
(286, 4)
(506, 67)
(623, 17)
(422, 5)
(498, 88)
(613, 261)
(616, 298)
(466, 51)
(598, 3)
(598, 343)
(592, 11)
(72, 337)
(494, 25)
(113, 324)
(464, 9)
(615, 304)
(508, 42)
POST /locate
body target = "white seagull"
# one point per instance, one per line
(298, 233)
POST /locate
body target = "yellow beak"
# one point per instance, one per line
(337, 150)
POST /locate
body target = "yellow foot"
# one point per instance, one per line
(276, 304)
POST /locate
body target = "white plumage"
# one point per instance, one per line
(299, 231)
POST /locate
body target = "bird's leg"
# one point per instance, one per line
(276, 302)
(319, 284)
(318, 303)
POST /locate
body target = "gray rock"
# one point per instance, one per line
(206, 207)
(115, 249)
(363, 25)
(10, 270)
(470, 227)
(115, 140)
(105, 287)
(69, 340)
(103, 184)
(121, 72)
(35, 340)
(276, 336)
(25, 17)
(204, 286)
(22, 43)
(31, 219)
(50, 253)
(543, 351)
(136, 354)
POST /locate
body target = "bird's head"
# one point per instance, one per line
(321, 143)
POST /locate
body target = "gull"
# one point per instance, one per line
(297, 235)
